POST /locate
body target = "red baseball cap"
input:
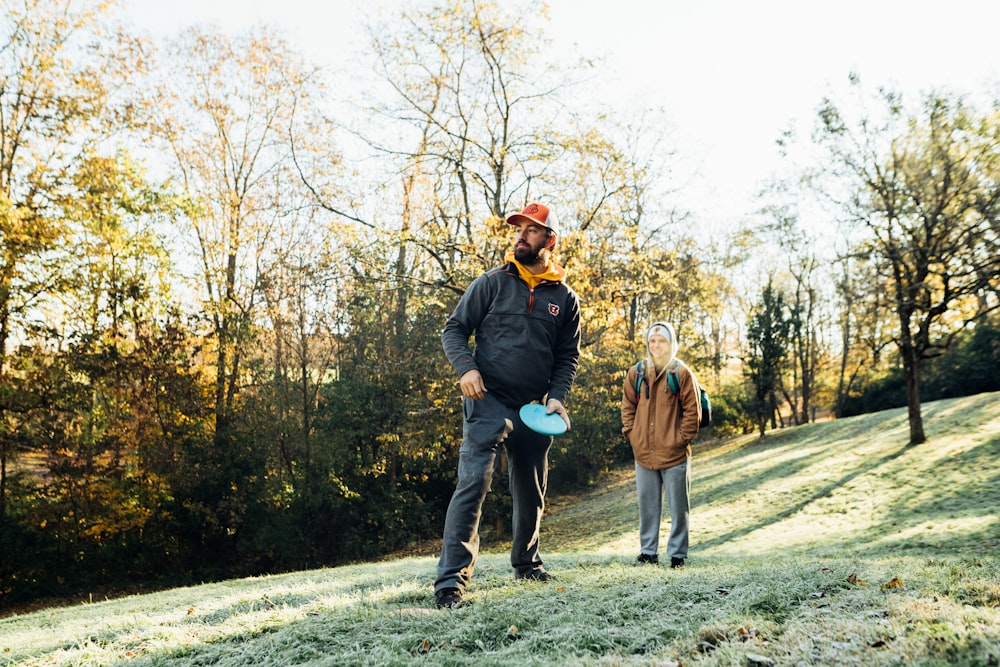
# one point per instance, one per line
(537, 213)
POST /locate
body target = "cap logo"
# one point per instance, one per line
(531, 210)
(658, 329)
(554, 310)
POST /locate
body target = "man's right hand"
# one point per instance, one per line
(472, 385)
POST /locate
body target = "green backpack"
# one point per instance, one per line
(675, 386)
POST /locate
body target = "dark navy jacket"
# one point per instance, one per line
(527, 342)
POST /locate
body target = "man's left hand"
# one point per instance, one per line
(555, 405)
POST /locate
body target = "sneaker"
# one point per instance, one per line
(647, 559)
(676, 562)
(535, 575)
(448, 598)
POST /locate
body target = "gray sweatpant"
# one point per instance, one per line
(488, 426)
(651, 485)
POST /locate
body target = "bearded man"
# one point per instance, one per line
(526, 323)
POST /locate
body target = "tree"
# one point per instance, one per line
(864, 317)
(115, 302)
(227, 113)
(924, 186)
(63, 71)
(233, 113)
(466, 91)
(487, 129)
(767, 341)
(804, 308)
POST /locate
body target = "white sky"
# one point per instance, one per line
(731, 74)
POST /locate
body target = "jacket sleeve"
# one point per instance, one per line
(461, 324)
(690, 398)
(629, 401)
(566, 352)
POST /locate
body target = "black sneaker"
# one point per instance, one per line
(448, 598)
(676, 562)
(647, 559)
(535, 575)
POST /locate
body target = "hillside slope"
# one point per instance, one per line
(846, 487)
(827, 544)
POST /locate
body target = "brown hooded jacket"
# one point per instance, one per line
(660, 425)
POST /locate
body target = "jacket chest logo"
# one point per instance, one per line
(553, 310)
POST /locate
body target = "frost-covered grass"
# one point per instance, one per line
(828, 544)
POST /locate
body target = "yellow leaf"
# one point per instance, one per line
(895, 582)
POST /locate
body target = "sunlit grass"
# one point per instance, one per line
(828, 544)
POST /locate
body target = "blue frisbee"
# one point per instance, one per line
(534, 417)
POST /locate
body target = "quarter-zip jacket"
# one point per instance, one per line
(527, 341)
(661, 425)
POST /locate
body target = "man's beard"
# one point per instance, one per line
(529, 256)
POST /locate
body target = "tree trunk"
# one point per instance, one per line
(220, 384)
(3, 481)
(4, 309)
(911, 370)
(808, 379)
(772, 405)
(845, 349)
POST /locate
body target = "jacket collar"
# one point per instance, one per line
(552, 273)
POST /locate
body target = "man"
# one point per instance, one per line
(526, 323)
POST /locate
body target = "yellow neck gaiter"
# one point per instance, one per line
(552, 272)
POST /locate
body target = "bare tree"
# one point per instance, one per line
(228, 114)
(864, 320)
(925, 189)
(481, 118)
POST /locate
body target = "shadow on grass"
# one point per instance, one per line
(821, 492)
(816, 442)
(957, 509)
(929, 496)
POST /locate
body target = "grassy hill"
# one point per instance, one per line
(828, 544)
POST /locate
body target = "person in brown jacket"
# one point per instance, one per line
(660, 426)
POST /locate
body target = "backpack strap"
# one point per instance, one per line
(672, 379)
(640, 379)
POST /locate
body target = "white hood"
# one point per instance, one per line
(664, 329)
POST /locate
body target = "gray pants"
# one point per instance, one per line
(488, 426)
(651, 485)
